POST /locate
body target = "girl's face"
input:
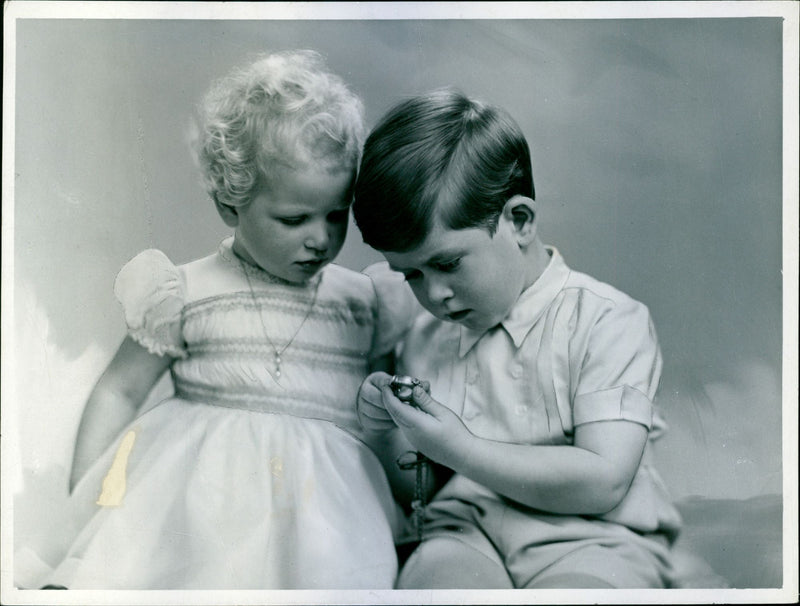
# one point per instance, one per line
(297, 224)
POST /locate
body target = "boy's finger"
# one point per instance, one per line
(379, 379)
(368, 402)
(375, 418)
(379, 414)
(403, 413)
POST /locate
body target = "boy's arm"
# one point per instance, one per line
(114, 402)
(389, 444)
(590, 477)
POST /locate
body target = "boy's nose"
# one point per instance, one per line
(438, 291)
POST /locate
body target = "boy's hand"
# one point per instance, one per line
(431, 427)
(371, 412)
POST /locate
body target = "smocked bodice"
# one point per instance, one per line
(224, 322)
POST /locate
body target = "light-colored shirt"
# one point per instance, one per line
(572, 350)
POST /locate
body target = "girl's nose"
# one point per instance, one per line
(319, 238)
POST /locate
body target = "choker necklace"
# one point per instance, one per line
(278, 352)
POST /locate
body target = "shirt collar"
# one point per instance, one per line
(529, 307)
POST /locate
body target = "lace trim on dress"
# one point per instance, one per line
(226, 252)
(152, 344)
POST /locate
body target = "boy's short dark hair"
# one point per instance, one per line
(438, 156)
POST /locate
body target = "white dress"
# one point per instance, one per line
(243, 479)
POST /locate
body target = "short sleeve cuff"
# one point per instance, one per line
(620, 403)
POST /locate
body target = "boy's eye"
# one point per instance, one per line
(412, 275)
(448, 266)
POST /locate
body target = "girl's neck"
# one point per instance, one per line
(243, 262)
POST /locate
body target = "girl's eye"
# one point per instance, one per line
(412, 275)
(448, 266)
(292, 221)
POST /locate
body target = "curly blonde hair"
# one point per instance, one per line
(285, 109)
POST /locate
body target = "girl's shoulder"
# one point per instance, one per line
(151, 275)
(147, 272)
(211, 276)
(345, 281)
(376, 286)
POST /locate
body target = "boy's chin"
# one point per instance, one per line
(470, 320)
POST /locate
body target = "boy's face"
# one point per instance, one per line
(468, 275)
(296, 225)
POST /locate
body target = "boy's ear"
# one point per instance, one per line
(520, 212)
(228, 213)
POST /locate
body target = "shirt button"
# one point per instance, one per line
(516, 371)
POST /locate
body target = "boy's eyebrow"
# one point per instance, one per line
(436, 258)
(444, 256)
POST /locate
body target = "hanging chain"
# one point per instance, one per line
(277, 352)
(421, 463)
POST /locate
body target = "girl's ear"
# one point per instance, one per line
(228, 213)
(520, 212)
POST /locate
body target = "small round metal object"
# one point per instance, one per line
(403, 387)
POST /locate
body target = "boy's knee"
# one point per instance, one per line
(445, 563)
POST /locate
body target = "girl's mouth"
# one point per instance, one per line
(313, 264)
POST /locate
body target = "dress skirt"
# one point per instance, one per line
(198, 496)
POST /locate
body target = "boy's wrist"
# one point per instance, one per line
(460, 455)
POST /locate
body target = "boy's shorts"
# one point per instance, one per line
(533, 545)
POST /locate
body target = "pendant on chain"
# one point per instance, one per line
(257, 306)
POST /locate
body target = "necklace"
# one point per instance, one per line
(277, 352)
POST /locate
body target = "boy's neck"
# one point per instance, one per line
(538, 258)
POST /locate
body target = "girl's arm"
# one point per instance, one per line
(590, 477)
(114, 402)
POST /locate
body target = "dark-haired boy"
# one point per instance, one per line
(542, 379)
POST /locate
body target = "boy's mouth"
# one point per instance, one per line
(458, 316)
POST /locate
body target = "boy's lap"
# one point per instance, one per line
(450, 562)
(530, 545)
(618, 566)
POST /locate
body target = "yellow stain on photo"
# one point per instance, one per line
(114, 483)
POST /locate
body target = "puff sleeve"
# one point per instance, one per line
(397, 307)
(152, 295)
